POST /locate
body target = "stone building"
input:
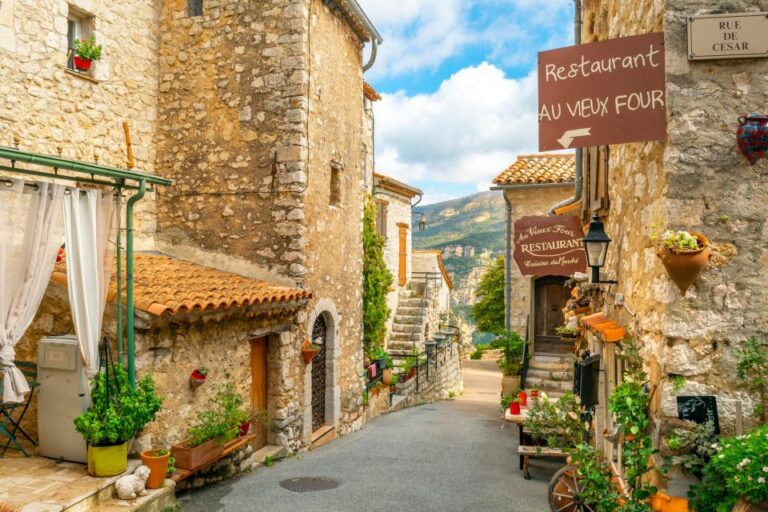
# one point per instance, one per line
(257, 112)
(698, 180)
(531, 186)
(395, 201)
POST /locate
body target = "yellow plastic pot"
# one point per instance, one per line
(107, 460)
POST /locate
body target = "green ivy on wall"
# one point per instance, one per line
(377, 280)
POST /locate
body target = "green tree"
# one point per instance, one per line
(377, 279)
(488, 312)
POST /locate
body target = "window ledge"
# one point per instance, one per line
(81, 75)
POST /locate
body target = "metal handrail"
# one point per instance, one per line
(524, 362)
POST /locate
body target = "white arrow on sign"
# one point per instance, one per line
(568, 136)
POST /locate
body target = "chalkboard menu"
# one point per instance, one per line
(698, 409)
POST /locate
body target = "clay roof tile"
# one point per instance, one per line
(539, 169)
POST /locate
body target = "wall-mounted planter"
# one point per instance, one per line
(82, 64)
(753, 137)
(308, 354)
(684, 267)
(192, 458)
(197, 378)
(614, 335)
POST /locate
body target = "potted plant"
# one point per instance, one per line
(684, 254)
(158, 463)
(214, 428)
(534, 394)
(511, 345)
(198, 377)
(522, 398)
(118, 411)
(568, 334)
(309, 351)
(85, 52)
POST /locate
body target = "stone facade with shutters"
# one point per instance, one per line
(698, 180)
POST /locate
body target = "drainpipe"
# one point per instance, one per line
(130, 310)
(579, 181)
(508, 266)
(372, 58)
(363, 19)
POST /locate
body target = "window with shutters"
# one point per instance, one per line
(195, 7)
(594, 196)
(381, 219)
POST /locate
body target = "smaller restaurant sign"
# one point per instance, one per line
(728, 36)
(549, 246)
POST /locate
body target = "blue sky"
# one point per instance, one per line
(458, 80)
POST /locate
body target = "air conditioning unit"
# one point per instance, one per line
(63, 395)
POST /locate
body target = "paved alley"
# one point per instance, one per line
(455, 455)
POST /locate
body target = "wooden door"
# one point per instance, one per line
(259, 390)
(403, 253)
(550, 296)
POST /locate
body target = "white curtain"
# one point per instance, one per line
(88, 222)
(30, 235)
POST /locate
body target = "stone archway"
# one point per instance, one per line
(322, 325)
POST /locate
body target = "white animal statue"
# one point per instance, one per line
(130, 487)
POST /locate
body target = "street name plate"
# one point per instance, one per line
(728, 36)
(609, 92)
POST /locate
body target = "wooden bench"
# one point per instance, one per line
(526, 452)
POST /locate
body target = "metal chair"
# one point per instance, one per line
(10, 426)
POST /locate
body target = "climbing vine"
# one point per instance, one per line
(377, 279)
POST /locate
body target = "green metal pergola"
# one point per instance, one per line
(53, 167)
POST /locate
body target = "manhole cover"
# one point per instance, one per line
(309, 484)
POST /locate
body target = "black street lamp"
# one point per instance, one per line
(422, 223)
(596, 246)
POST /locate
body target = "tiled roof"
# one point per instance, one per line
(394, 185)
(165, 285)
(539, 169)
(371, 93)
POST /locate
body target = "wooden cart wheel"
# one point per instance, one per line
(564, 491)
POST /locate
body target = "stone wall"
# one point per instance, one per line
(334, 247)
(51, 108)
(233, 135)
(398, 212)
(528, 201)
(696, 179)
(443, 380)
(171, 348)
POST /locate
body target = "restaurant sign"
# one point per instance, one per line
(728, 36)
(549, 246)
(609, 92)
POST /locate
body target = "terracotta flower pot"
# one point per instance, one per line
(523, 397)
(412, 373)
(82, 64)
(245, 427)
(158, 466)
(514, 408)
(193, 458)
(534, 394)
(684, 267)
(308, 354)
(196, 379)
(386, 377)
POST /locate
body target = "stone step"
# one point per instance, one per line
(407, 294)
(409, 310)
(156, 500)
(547, 385)
(411, 303)
(323, 435)
(409, 319)
(406, 336)
(551, 363)
(555, 375)
(413, 328)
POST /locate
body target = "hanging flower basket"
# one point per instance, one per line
(684, 266)
(308, 351)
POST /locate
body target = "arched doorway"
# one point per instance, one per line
(319, 372)
(550, 296)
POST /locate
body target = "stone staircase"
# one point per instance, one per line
(550, 374)
(407, 327)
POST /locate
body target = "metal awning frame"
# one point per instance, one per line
(120, 179)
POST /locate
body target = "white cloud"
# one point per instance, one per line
(466, 132)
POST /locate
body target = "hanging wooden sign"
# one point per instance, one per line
(549, 245)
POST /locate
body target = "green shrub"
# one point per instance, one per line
(118, 411)
(221, 422)
(511, 345)
(477, 354)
